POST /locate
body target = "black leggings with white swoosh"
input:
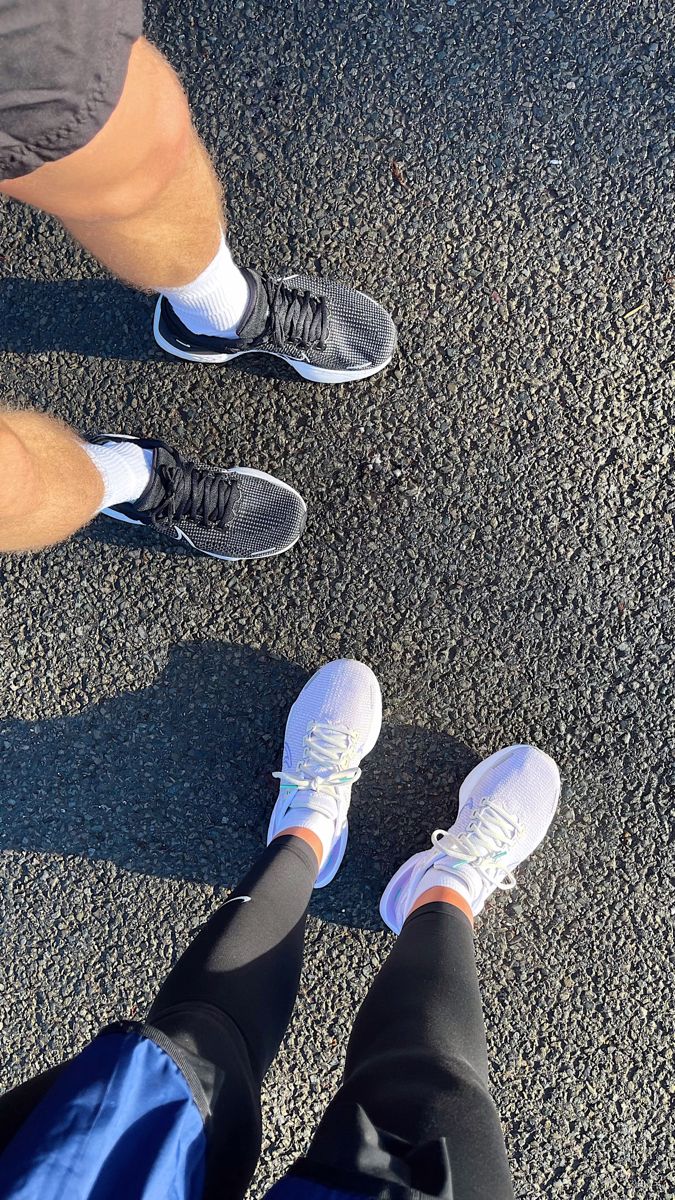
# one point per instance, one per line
(229, 999)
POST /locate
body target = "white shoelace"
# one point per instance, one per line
(489, 834)
(321, 770)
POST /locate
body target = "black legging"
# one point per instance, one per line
(413, 1110)
(414, 1105)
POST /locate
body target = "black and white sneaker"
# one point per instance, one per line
(229, 514)
(328, 332)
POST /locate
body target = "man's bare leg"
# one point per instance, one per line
(142, 196)
(49, 486)
(52, 482)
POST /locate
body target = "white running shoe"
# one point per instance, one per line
(506, 805)
(333, 724)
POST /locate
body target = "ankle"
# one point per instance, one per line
(309, 837)
(443, 895)
(214, 303)
(125, 469)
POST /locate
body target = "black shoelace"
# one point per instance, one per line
(294, 316)
(193, 492)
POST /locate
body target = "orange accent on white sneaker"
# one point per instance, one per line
(444, 895)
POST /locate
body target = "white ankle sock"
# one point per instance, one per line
(124, 468)
(216, 300)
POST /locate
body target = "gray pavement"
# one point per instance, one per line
(491, 528)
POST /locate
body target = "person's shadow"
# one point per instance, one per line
(174, 780)
(96, 318)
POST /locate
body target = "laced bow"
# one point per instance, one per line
(193, 492)
(321, 770)
(485, 841)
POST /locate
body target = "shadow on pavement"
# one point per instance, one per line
(175, 780)
(105, 531)
(100, 318)
(97, 318)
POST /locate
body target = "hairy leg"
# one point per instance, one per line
(142, 195)
(49, 487)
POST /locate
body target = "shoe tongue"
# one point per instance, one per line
(155, 490)
(463, 878)
(255, 316)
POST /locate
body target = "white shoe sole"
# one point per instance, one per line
(390, 895)
(306, 370)
(337, 852)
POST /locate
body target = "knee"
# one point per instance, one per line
(146, 143)
(138, 189)
(135, 181)
(17, 474)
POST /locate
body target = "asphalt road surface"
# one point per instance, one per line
(491, 528)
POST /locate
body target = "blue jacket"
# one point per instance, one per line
(120, 1121)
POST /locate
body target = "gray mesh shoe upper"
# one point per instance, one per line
(320, 321)
(237, 513)
(266, 518)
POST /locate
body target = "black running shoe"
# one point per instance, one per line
(235, 514)
(327, 331)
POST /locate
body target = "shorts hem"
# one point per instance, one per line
(188, 1064)
(95, 110)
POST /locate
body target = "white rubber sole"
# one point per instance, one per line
(393, 890)
(179, 536)
(306, 370)
(334, 861)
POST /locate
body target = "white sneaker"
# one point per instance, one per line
(333, 724)
(506, 805)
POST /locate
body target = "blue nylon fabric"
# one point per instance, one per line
(119, 1123)
(293, 1187)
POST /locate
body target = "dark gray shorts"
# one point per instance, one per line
(62, 70)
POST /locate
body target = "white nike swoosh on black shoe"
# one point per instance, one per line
(228, 514)
(328, 332)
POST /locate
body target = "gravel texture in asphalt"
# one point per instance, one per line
(491, 528)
